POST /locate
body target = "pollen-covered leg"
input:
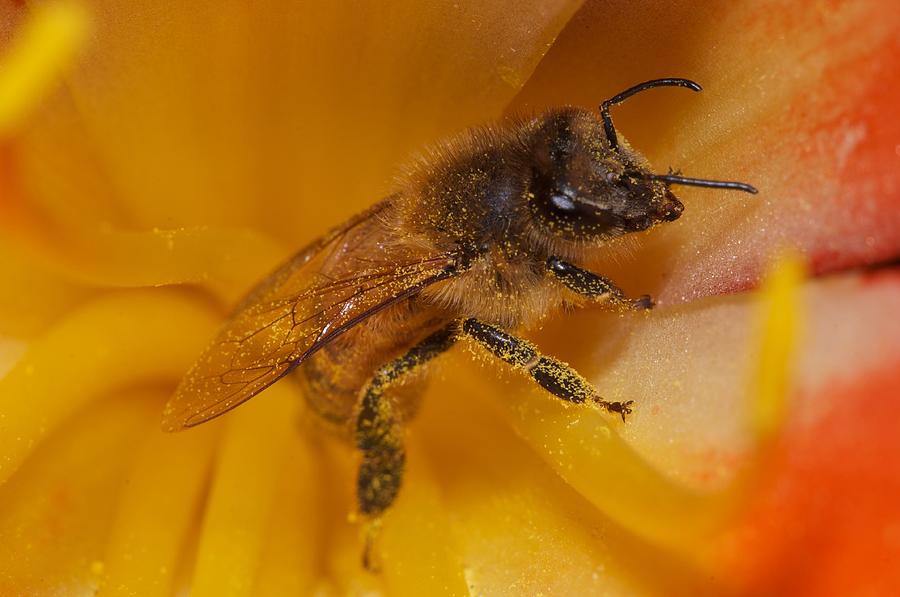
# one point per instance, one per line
(556, 377)
(593, 286)
(379, 435)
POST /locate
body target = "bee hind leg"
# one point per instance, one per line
(556, 377)
(379, 435)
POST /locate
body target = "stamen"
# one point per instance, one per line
(45, 47)
(781, 313)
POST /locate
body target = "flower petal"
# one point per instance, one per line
(689, 371)
(117, 340)
(247, 476)
(230, 114)
(794, 103)
(31, 298)
(826, 519)
(56, 511)
(224, 260)
(421, 554)
(155, 510)
(290, 563)
(520, 528)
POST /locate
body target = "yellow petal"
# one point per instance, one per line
(225, 261)
(418, 551)
(290, 561)
(342, 540)
(585, 447)
(156, 509)
(224, 113)
(57, 510)
(689, 415)
(520, 528)
(248, 473)
(117, 340)
(31, 298)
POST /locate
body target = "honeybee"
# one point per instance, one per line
(482, 238)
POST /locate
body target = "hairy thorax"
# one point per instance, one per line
(508, 292)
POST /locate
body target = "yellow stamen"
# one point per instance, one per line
(45, 47)
(780, 327)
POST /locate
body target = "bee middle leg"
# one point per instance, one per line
(593, 286)
(379, 436)
(556, 377)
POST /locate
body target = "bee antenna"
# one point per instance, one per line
(618, 99)
(703, 182)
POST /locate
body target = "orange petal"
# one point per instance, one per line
(826, 521)
(794, 102)
(689, 371)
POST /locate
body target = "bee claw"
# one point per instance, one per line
(622, 408)
(370, 560)
(643, 302)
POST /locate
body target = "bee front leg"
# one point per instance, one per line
(556, 377)
(379, 435)
(592, 286)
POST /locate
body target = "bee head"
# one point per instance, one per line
(581, 189)
(587, 184)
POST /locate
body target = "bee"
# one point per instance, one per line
(479, 240)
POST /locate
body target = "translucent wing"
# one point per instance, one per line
(323, 291)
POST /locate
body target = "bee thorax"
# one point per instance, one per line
(498, 290)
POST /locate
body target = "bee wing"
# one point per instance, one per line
(295, 312)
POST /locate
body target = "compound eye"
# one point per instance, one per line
(562, 201)
(561, 210)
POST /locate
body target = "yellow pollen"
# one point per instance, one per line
(45, 47)
(97, 567)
